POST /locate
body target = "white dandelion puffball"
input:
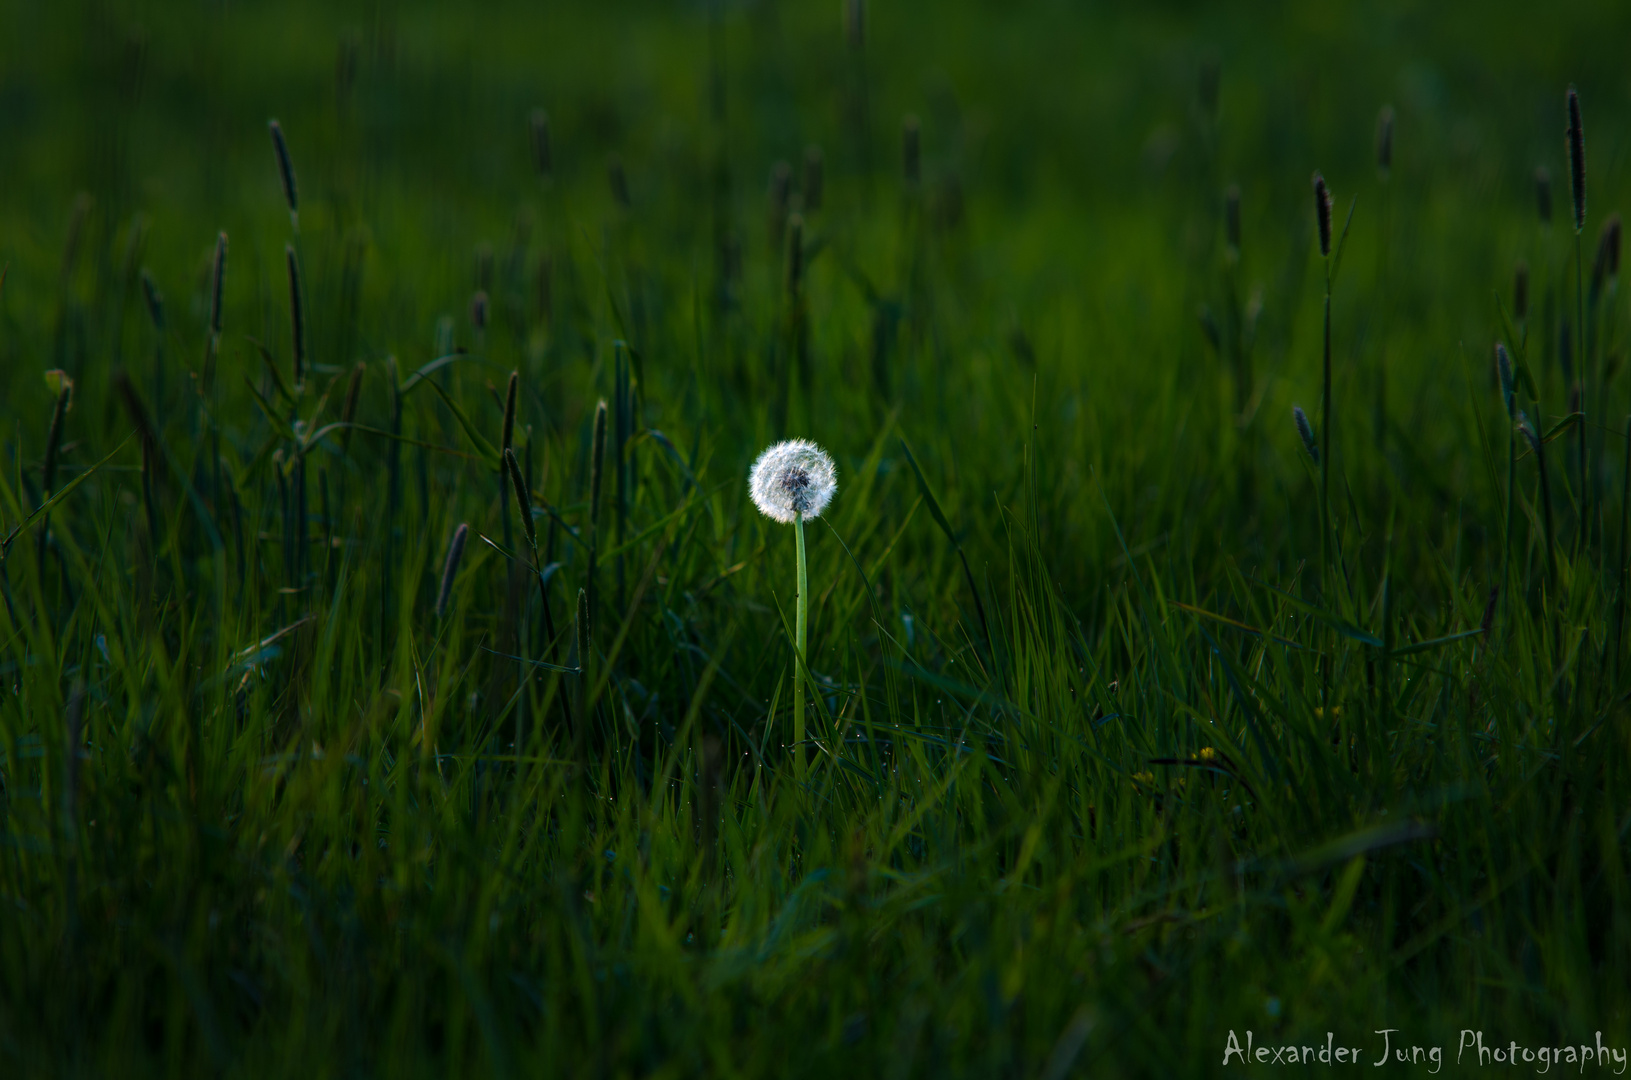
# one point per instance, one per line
(791, 478)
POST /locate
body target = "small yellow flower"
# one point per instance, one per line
(1144, 777)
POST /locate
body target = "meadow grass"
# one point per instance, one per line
(397, 675)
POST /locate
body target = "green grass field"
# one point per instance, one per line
(1130, 725)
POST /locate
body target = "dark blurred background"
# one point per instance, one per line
(1078, 153)
(411, 118)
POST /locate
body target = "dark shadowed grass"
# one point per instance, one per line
(1132, 724)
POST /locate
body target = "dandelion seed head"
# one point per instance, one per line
(792, 478)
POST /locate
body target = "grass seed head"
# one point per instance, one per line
(1527, 430)
(792, 478)
(218, 271)
(450, 568)
(1307, 432)
(1577, 160)
(1322, 214)
(285, 168)
(478, 310)
(523, 501)
(508, 431)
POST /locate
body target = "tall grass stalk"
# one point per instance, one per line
(155, 316)
(597, 463)
(1538, 445)
(523, 502)
(623, 424)
(212, 344)
(53, 448)
(1575, 138)
(297, 319)
(506, 433)
(585, 650)
(1331, 253)
(1322, 213)
(1508, 382)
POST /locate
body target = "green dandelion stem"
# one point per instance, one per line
(802, 633)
